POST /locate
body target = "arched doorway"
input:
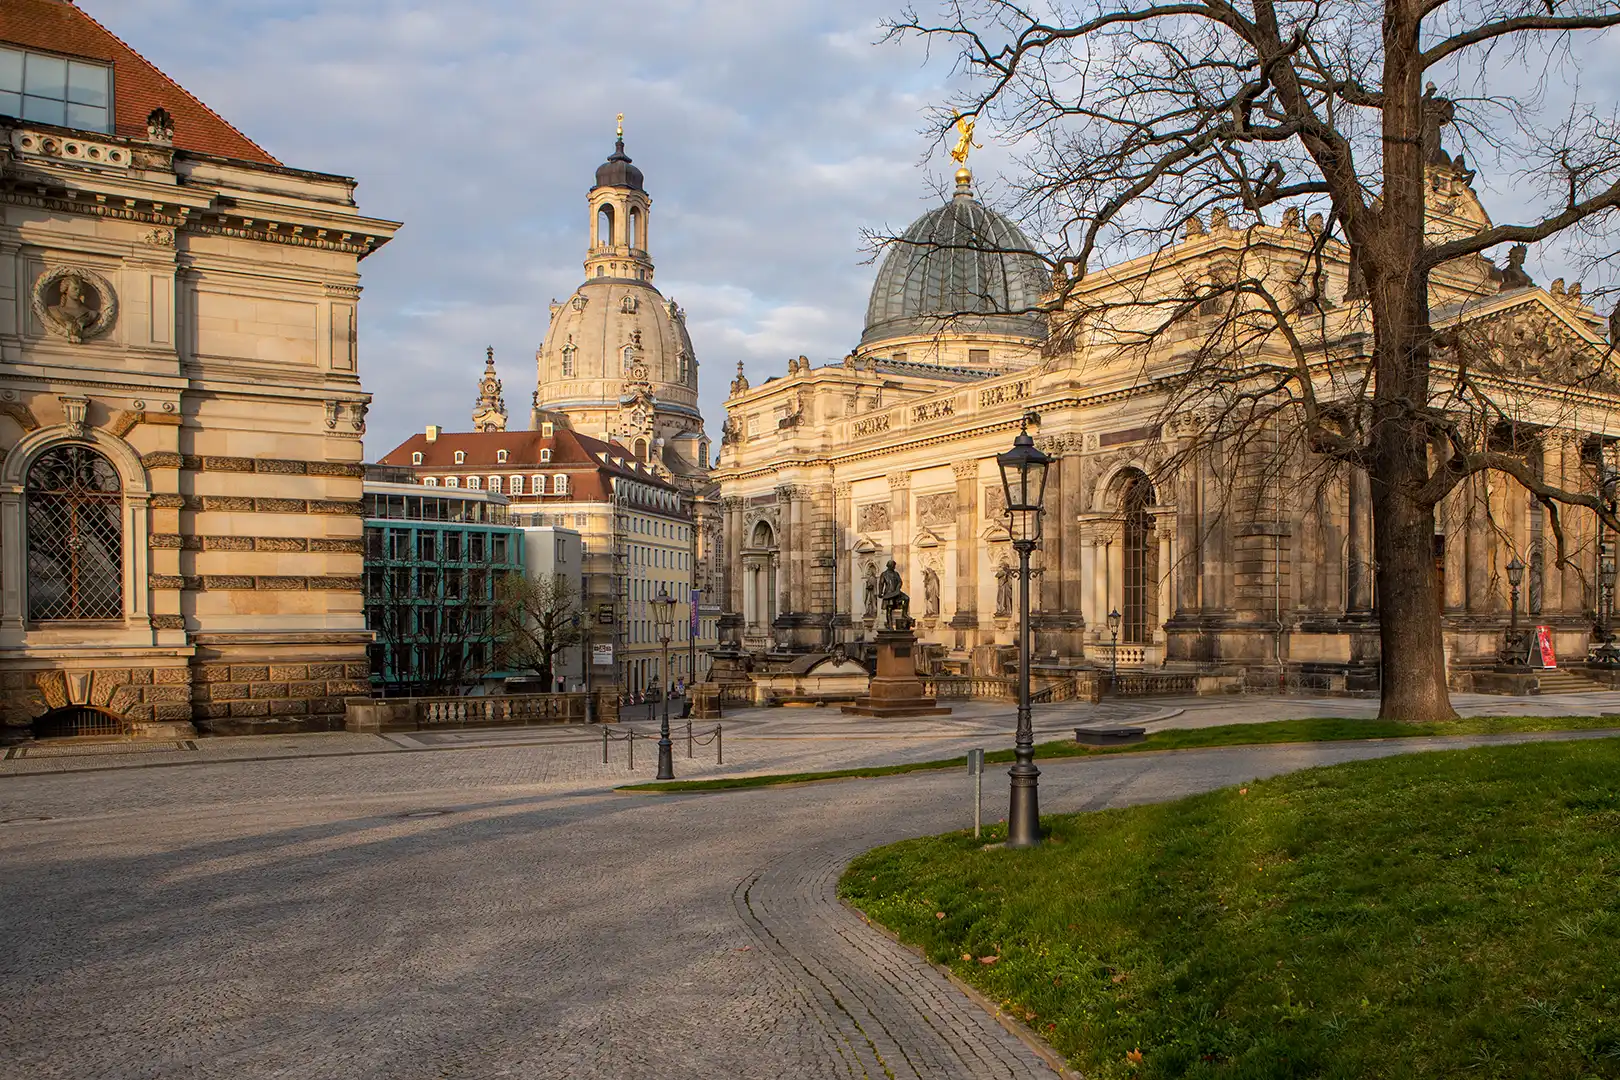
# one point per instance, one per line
(78, 721)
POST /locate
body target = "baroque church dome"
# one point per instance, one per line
(617, 362)
(959, 269)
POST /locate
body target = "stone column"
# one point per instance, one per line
(966, 616)
(1189, 541)
(1058, 480)
(900, 522)
(842, 527)
(1571, 591)
(731, 556)
(11, 531)
(1476, 555)
(1359, 571)
(804, 537)
(1068, 527)
(1165, 526)
(786, 542)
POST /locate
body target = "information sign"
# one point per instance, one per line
(1544, 643)
(602, 655)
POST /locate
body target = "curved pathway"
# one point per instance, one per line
(344, 918)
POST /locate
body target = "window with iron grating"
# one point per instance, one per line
(75, 536)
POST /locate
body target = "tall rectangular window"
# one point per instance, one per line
(514, 485)
(55, 90)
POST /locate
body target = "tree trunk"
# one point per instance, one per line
(1413, 682)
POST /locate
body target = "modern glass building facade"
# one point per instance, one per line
(433, 564)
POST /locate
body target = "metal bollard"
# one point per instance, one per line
(604, 746)
(689, 738)
(632, 742)
(719, 747)
(975, 766)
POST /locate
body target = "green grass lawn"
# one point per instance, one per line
(1438, 915)
(1321, 729)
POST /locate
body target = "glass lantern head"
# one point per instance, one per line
(1113, 620)
(1023, 481)
(1515, 572)
(664, 612)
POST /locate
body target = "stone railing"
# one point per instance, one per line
(1154, 684)
(965, 687)
(1130, 656)
(494, 710)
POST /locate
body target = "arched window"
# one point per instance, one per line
(75, 536)
(568, 352)
(461, 457)
(451, 481)
(629, 355)
(559, 484)
(641, 449)
(416, 458)
(545, 454)
(500, 456)
(495, 483)
(685, 368)
(472, 483)
(1140, 562)
(634, 236)
(538, 484)
(604, 227)
(514, 485)
(431, 481)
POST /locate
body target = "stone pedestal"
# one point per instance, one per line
(705, 701)
(895, 690)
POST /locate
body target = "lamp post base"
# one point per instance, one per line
(1024, 811)
(666, 758)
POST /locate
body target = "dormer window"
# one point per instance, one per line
(55, 90)
(546, 430)
(500, 456)
(545, 455)
(461, 457)
(416, 458)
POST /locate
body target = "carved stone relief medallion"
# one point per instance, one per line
(937, 509)
(78, 304)
(872, 517)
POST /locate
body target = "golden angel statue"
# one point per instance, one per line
(964, 139)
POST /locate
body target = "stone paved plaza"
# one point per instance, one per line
(497, 910)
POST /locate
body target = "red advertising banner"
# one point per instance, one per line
(1544, 643)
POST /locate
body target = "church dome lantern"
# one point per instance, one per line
(617, 171)
(960, 269)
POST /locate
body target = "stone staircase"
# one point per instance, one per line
(1565, 681)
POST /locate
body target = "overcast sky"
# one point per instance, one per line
(771, 135)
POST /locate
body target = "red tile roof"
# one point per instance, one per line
(60, 27)
(569, 449)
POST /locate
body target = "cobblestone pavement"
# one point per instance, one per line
(417, 915)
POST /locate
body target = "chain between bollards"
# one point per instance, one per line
(692, 741)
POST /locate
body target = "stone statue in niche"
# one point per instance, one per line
(931, 593)
(1004, 590)
(871, 604)
(896, 604)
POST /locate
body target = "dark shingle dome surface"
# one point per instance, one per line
(617, 171)
(961, 259)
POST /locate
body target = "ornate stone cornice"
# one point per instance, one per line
(842, 489)
(965, 470)
(898, 480)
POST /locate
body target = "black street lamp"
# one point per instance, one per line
(663, 606)
(1023, 480)
(1512, 646)
(1606, 654)
(1113, 628)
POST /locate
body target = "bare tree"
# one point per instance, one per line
(1346, 334)
(536, 620)
(434, 626)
